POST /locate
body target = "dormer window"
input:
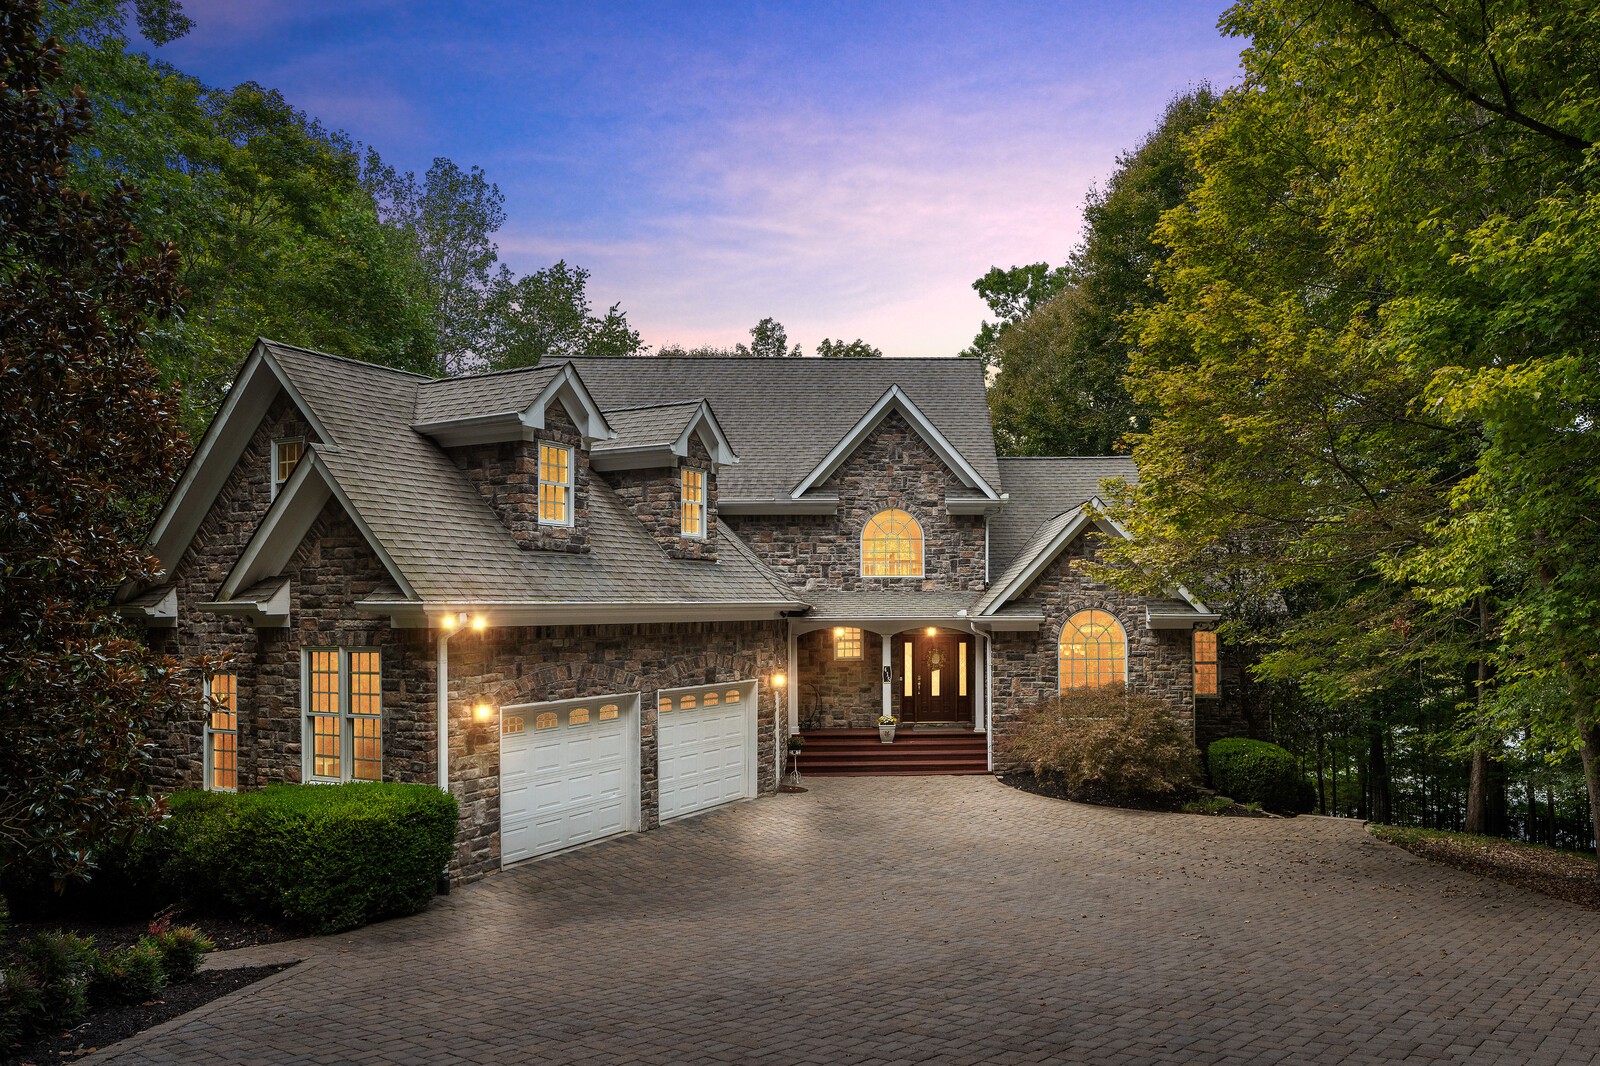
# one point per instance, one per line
(693, 518)
(555, 485)
(285, 457)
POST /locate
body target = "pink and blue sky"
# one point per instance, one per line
(848, 169)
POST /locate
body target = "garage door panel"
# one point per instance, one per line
(705, 753)
(568, 781)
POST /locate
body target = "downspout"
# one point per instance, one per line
(443, 671)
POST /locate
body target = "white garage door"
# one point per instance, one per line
(706, 747)
(567, 774)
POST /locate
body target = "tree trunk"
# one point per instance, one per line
(1478, 803)
(1322, 795)
(1478, 793)
(1589, 745)
(1550, 800)
(1378, 778)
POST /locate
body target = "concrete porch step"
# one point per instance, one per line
(859, 753)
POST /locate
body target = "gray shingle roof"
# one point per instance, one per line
(508, 392)
(445, 539)
(640, 427)
(888, 603)
(1025, 556)
(783, 416)
(1041, 489)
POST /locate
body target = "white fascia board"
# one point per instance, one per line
(646, 457)
(1015, 623)
(475, 429)
(163, 614)
(568, 389)
(415, 614)
(1177, 620)
(224, 441)
(706, 425)
(819, 504)
(978, 505)
(895, 400)
(1000, 597)
(270, 613)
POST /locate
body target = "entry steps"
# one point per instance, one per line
(915, 752)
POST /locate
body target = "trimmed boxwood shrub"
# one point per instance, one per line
(1254, 771)
(128, 975)
(323, 857)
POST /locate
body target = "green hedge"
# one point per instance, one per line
(1254, 771)
(323, 857)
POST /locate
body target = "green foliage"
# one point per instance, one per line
(128, 975)
(1060, 346)
(181, 948)
(1104, 745)
(322, 857)
(546, 315)
(21, 1005)
(91, 444)
(1254, 771)
(768, 340)
(839, 349)
(61, 967)
(1012, 294)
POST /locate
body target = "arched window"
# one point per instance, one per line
(1094, 651)
(891, 546)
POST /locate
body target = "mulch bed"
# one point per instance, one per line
(1566, 875)
(226, 933)
(1054, 789)
(105, 1027)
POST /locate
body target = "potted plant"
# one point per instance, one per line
(796, 744)
(886, 724)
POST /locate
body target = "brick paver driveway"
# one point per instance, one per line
(926, 920)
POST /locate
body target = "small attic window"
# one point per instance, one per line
(285, 457)
(694, 502)
(555, 485)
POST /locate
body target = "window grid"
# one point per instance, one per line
(693, 518)
(1205, 663)
(1094, 651)
(578, 716)
(846, 643)
(344, 709)
(285, 457)
(891, 545)
(608, 712)
(555, 485)
(222, 733)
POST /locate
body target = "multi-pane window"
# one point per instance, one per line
(1205, 663)
(846, 643)
(344, 714)
(693, 518)
(222, 733)
(555, 485)
(891, 545)
(1094, 651)
(285, 456)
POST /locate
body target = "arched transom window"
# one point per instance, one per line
(891, 545)
(1094, 651)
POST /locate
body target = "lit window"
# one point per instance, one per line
(511, 723)
(693, 518)
(1205, 663)
(555, 485)
(548, 720)
(222, 733)
(1094, 651)
(608, 712)
(846, 643)
(907, 674)
(578, 716)
(709, 700)
(961, 669)
(732, 696)
(891, 546)
(664, 704)
(344, 714)
(686, 703)
(285, 456)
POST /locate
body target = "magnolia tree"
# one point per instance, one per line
(92, 443)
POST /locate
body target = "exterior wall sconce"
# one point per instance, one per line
(779, 679)
(933, 631)
(478, 731)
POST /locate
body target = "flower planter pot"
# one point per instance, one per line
(886, 734)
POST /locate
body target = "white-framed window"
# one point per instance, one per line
(1205, 663)
(555, 484)
(891, 545)
(846, 643)
(343, 690)
(222, 733)
(286, 455)
(693, 493)
(1094, 651)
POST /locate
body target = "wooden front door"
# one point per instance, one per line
(937, 674)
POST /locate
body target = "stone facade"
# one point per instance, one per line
(839, 693)
(1025, 667)
(894, 467)
(655, 496)
(506, 473)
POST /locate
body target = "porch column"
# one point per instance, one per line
(980, 691)
(887, 641)
(794, 681)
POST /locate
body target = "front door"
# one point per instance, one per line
(937, 676)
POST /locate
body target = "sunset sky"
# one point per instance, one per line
(847, 169)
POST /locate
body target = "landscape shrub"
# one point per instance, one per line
(61, 965)
(128, 975)
(323, 857)
(21, 1005)
(181, 949)
(1104, 745)
(1254, 771)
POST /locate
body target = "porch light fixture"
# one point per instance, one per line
(933, 631)
(478, 622)
(478, 732)
(779, 679)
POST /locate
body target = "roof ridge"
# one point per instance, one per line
(651, 406)
(498, 373)
(346, 359)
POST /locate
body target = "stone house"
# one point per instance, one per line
(597, 594)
